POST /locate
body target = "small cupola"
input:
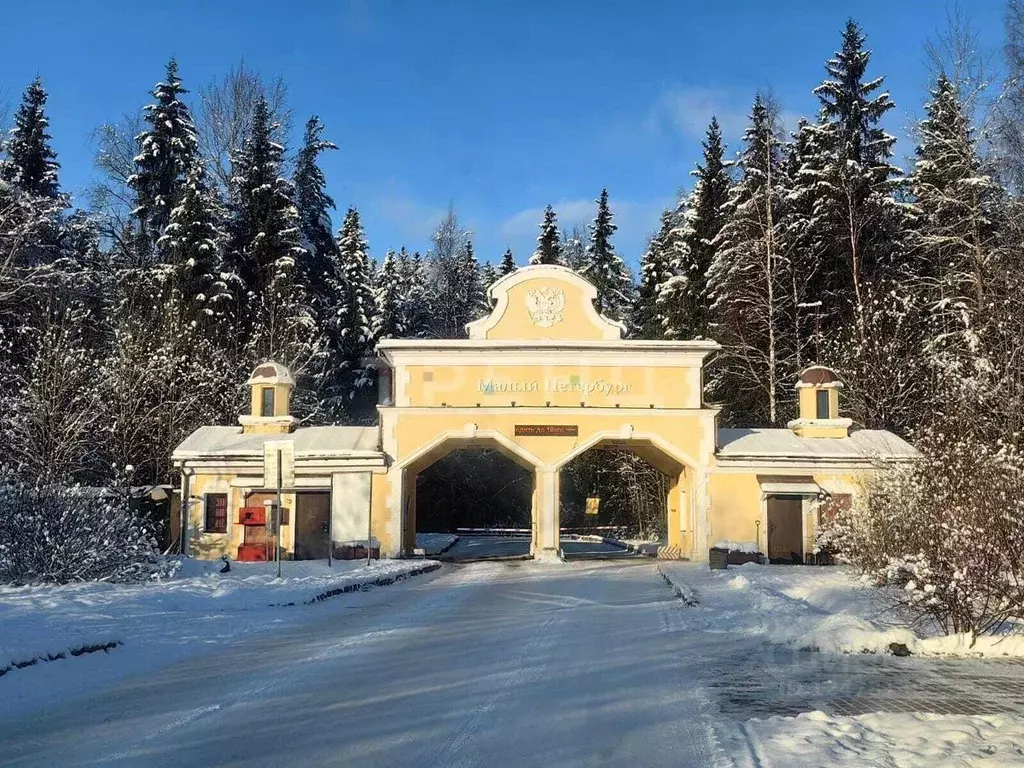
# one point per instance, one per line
(271, 385)
(817, 390)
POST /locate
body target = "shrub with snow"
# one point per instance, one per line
(945, 533)
(61, 534)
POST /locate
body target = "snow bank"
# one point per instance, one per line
(824, 609)
(150, 625)
(746, 547)
(905, 740)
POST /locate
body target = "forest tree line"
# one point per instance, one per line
(209, 246)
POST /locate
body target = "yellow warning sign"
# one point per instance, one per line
(593, 502)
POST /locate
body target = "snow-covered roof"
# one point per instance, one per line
(309, 441)
(271, 373)
(780, 443)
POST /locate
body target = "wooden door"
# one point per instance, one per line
(312, 525)
(785, 529)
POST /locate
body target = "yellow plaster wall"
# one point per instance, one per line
(686, 431)
(565, 385)
(210, 546)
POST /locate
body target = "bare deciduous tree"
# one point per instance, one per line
(225, 110)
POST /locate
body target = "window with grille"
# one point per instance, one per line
(216, 513)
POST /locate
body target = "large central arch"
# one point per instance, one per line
(444, 445)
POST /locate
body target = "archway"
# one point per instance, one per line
(621, 490)
(477, 490)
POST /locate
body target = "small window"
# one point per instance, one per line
(216, 513)
(267, 401)
(822, 395)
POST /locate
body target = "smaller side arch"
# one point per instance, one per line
(630, 436)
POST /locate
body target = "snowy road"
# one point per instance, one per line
(490, 664)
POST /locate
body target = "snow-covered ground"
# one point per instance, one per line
(903, 740)
(153, 624)
(512, 663)
(823, 609)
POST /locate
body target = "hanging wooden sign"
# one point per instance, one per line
(547, 430)
(593, 504)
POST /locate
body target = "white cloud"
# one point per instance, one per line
(635, 221)
(412, 219)
(688, 110)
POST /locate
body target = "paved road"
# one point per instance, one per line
(490, 664)
(474, 547)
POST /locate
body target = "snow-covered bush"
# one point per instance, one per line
(944, 533)
(60, 534)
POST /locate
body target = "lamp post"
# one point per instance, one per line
(186, 477)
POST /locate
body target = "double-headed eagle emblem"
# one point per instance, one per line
(545, 306)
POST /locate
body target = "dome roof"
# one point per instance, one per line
(818, 374)
(271, 373)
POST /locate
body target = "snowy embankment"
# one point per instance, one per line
(826, 609)
(907, 740)
(138, 627)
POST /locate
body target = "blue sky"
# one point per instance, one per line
(498, 107)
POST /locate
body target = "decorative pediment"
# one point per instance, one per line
(544, 301)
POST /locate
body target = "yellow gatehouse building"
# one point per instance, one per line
(542, 379)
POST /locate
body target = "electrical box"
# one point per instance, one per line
(252, 516)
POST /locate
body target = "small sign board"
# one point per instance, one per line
(547, 430)
(286, 450)
(593, 504)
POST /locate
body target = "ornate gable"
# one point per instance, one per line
(544, 302)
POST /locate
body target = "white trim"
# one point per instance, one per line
(791, 489)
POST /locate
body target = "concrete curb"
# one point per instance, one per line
(683, 591)
(381, 581)
(80, 650)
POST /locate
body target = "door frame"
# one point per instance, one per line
(805, 509)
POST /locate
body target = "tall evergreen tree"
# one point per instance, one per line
(855, 219)
(314, 205)
(264, 250)
(960, 260)
(476, 301)
(31, 163)
(701, 217)
(413, 276)
(349, 329)
(191, 252)
(488, 276)
(549, 246)
(749, 282)
(648, 321)
(508, 263)
(390, 320)
(605, 268)
(167, 152)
